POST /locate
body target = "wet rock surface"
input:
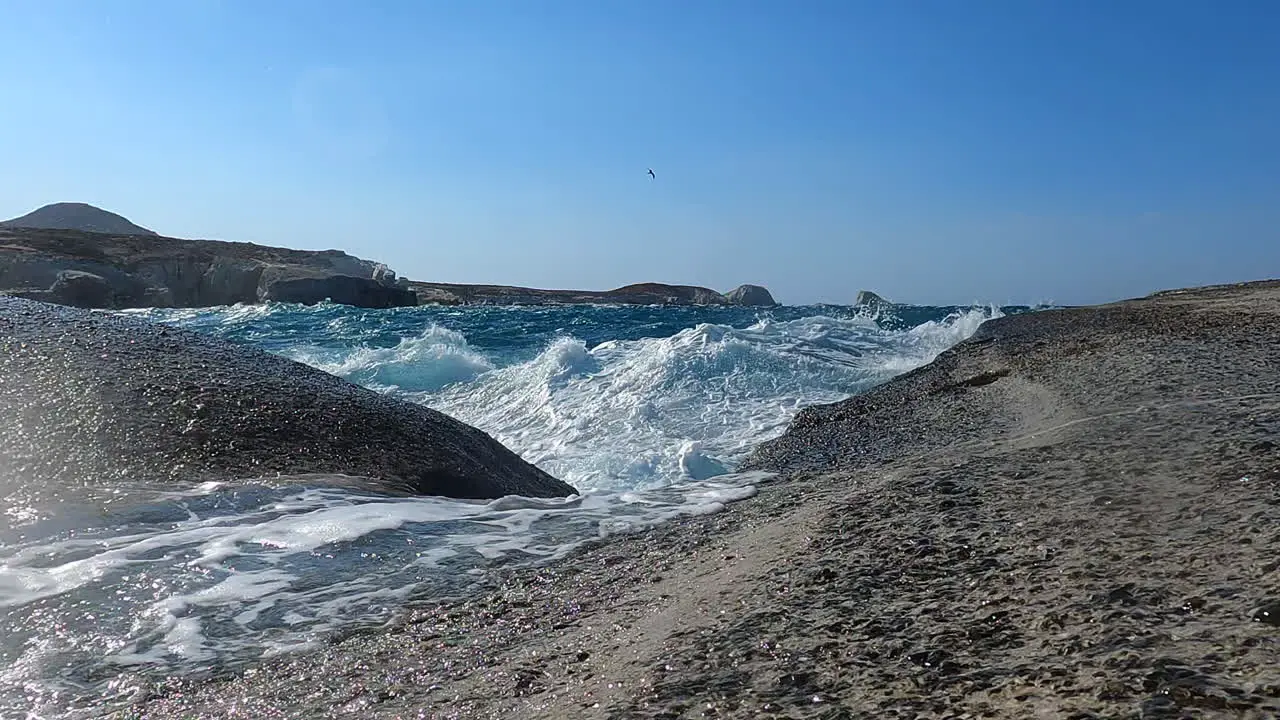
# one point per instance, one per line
(90, 399)
(1091, 534)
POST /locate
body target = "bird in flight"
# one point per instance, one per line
(655, 177)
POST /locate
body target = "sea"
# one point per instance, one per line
(646, 410)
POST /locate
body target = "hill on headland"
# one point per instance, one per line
(77, 216)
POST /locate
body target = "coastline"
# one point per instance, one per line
(1067, 515)
(105, 270)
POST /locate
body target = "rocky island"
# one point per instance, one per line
(638, 294)
(79, 255)
(869, 299)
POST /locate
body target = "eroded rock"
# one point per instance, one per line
(90, 399)
(99, 270)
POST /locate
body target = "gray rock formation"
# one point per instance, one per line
(92, 399)
(155, 271)
(77, 216)
(870, 299)
(662, 294)
(83, 289)
(343, 289)
(750, 295)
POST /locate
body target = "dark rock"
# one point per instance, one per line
(753, 295)
(1191, 605)
(343, 289)
(945, 487)
(1269, 614)
(981, 379)
(869, 299)
(824, 575)
(1159, 706)
(927, 658)
(1123, 595)
(94, 399)
(1114, 690)
(803, 681)
(82, 289)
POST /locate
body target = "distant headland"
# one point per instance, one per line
(80, 255)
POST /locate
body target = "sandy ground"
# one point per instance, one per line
(1076, 514)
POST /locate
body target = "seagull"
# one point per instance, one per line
(655, 177)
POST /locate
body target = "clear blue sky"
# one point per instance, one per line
(935, 151)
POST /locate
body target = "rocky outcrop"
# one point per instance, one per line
(343, 289)
(157, 271)
(637, 294)
(83, 289)
(750, 295)
(92, 399)
(659, 293)
(866, 298)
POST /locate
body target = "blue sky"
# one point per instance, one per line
(935, 151)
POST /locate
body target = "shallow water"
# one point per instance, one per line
(645, 410)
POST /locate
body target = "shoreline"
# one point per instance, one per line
(1068, 515)
(115, 271)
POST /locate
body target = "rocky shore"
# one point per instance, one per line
(1073, 515)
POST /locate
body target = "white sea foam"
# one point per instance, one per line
(436, 358)
(644, 413)
(251, 572)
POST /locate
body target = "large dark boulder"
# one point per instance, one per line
(94, 399)
(344, 289)
(866, 298)
(82, 289)
(751, 295)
